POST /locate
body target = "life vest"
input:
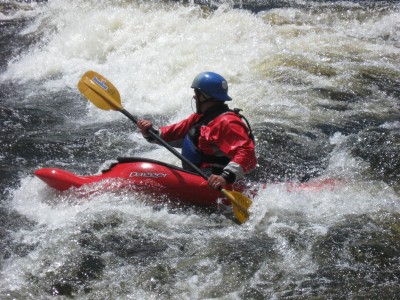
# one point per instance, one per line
(190, 148)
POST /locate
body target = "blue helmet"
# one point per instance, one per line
(213, 85)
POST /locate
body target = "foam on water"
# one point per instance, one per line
(151, 55)
(280, 212)
(60, 217)
(151, 52)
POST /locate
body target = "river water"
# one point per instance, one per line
(318, 80)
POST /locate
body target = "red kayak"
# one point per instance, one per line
(142, 175)
(160, 180)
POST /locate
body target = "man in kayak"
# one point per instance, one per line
(214, 138)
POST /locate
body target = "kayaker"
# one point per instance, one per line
(214, 138)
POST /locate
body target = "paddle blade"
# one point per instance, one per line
(240, 215)
(101, 92)
(240, 204)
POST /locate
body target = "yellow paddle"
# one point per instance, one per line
(105, 96)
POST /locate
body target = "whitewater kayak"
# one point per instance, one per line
(146, 176)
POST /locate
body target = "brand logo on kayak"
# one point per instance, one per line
(148, 175)
(101, 83)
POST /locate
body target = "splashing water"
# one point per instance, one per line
(319, 83)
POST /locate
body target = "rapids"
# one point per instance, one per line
(319, 82)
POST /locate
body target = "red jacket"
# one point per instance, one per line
(226, 133)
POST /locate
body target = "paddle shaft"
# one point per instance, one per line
(155, 136)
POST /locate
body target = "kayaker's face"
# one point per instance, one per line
(200, 99)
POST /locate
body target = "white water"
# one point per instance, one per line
(151, 52)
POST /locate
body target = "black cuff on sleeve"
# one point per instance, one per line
(229, 176)
(149, 138)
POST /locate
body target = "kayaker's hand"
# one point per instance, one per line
(216, 182)
(144, 126)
